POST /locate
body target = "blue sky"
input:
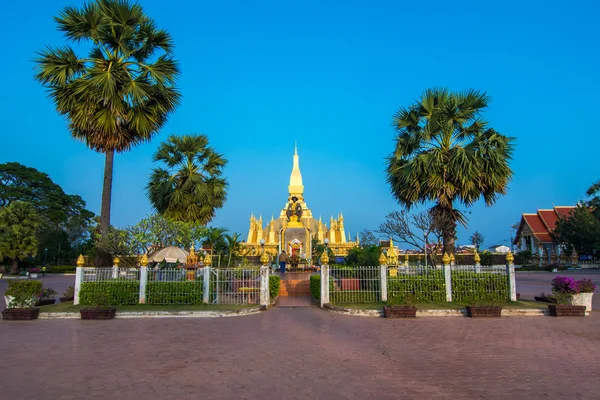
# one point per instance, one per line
(257, 76)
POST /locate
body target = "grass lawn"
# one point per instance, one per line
(447, 306)
(69, 307)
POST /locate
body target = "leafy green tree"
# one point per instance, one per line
(364, 256)
(18, 224)
(190, 186)
(594, 202)
(446, 153)
(579, 231)
(64, 220)
(368, 239)
(122, 92)
(233, 243)
(477, 240)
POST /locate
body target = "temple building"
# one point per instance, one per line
(295, 227)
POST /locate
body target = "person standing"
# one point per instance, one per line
(282, 261)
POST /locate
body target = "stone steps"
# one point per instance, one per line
(294, 288)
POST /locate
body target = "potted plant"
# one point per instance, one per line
(484, 308)
(585, 292)
(400, 307)
(564, 287)
(33, 272)
(68, 295)
(101, 308)
(46, 297)
(20, 297)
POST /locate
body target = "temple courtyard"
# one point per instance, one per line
(304, 353)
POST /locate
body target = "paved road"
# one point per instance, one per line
(531, 284)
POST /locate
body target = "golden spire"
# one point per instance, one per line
(296, 188)
(476, 258)
(509, 257)
(382, 259)
(80, 261)
(446, 259)
(144, 260)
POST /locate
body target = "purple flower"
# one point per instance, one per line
(564, 285)
(585, 286)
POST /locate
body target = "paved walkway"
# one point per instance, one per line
(302, 353)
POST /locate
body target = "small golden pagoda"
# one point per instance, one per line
(295, 227)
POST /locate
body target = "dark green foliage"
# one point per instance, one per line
(482, 288)
(315, 286)
(579, 231)
(487, 258)
(523, 257)
(61, 269)
(118, 293)
(274, 284)
(425, 288)
(23, 292)
(185, 292)
(364, 256)
(354, 297)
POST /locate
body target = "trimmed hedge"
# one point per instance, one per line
(274, 284)
(353, 297)
(315, 286)
(429, 288)
(479, 288)
(61, 269)
(181, 292)
(118, 293)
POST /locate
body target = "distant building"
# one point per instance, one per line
(499, 249)
(534, 231)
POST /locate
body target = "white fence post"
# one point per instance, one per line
(448, 278)
(115, 271)
(324, 284)
(264, 286)
(78, 279)
(143, 284)
(206, 288)
(383, 282)
(512, 288)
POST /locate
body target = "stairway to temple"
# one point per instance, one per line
(294, 287)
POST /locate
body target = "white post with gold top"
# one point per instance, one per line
(143, 278)
(324, 278)
(383, 276)
(115, 270)
(447, 277)
(510, 271)
(265, 299)
(78, 278)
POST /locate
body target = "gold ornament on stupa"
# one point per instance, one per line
(382, 259)
(80, 261)
(192, 257)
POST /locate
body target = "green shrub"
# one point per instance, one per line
(424, 288)
(24, 292)
(61, 269)
(315, 286)
(180, 292)
(480, 288)
(354, 296)
(274, 284)
(118, 293)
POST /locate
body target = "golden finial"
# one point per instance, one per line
(116, 261)
(324, 258)
(144, 260)
(382, 259)
(509, 257)
(452, 257)
(446, 259)
(208, 260)
(80, 261)
(406, 260)
(192, 257)
(477, 258)
(264, 259)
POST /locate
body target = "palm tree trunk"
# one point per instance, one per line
(104, 259)
(14, 270)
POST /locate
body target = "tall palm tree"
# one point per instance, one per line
(233, 245)
(446, 153)
(122, 92)
(190, 186)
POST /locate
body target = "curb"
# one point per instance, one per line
(524, 312)
(158, 314)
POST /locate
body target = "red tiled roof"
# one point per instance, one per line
(564, 211)
(549, 218)
(535, 223)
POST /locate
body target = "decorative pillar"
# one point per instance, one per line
(264, 285)
(115, 271)
(383, 276)
(324, 278)
(78, 278)
(447, 276)
(510, 271)
(477, 262)
(206, 284)
(143, 278)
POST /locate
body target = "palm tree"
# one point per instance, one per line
(477, 240)
(233, 245)
(190, 187)
(446, 153)
(122, 93)
(18, 224)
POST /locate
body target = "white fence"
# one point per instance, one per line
(418, 284)
(145, 285)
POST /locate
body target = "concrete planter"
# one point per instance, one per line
(400, 312)
(582, 299)
(9, 299)
(98, 313)
(20, 314)
(565, 310)
(484, 312)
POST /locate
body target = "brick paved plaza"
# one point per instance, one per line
(302, 353)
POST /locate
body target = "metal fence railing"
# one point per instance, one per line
(479, 284)
(124, 286)
(235, 285)
(354, 285)
(416, 284)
